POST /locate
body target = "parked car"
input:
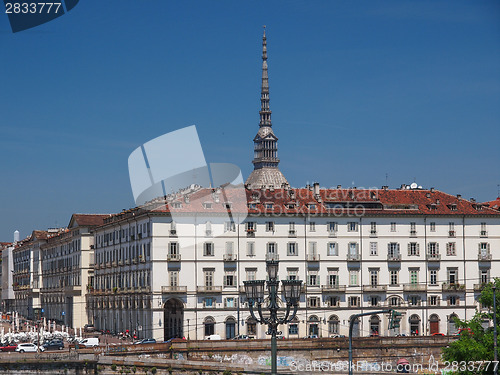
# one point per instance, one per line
(28, 348)
(311, 337)
(8, 348)
(89, 342)
(53, 345)
(437, 334)
(88, 328)
(146, 341)
(242, 337)
(213, 337)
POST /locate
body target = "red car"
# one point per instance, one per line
(8, 348)
(438, 334)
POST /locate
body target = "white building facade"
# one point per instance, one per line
(422, 252)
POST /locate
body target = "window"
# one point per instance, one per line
(209, 277)
(292, 249)
(395, 301)
(413, 249)
(251, 226)
(353, 277)
(230, 279)
(485, 276)
(394, 277)
(207, 205)
(452, 276)
(433, 300)
(433, 248)
(272, 248)
(311, 206)
(269, 226)
(174, 278)
(251, 249)
(353, 250)
(413, 277)
(229, 247)
(333, 301)
(352, 226)
(313, 278)
(291, 228)
(483, 232)
(374, 277)
(413, 228)
(374, 301)
(432, 227)
(209, 326)
(333, 325)
(229, 302)
(333, 277)
(452, 300)
(393, 227)
(268, 206)
(173, 249)
(433, 277)
(414, 300)
(373, 227)
(312, 226)
(451, 248)
(313, 249)
(332, 249)
(313, 302)
(229, 226)
(293, 329)
(393, 250)
(331, 227)
(208, 249)
(251, 273)
(353, 301)
(209, 302)
(373, 248)
(292, 273)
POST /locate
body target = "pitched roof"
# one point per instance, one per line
(493, 204)
(86, 220)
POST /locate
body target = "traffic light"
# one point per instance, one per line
(395, 319)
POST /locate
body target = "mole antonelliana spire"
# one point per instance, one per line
(266, 172)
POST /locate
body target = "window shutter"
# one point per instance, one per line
(357, 247)
(397, 247)
(225, 302)
(409, 248)
(235, 281)
(437, 248)
(428, 248)
(418, 249)
(488, 247)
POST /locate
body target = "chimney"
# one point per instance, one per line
(403, 186)
(437, 201)
(473, 200)
(432, 190)
(428, 195)
(385, 187)
(459, 197)
(16, 236)
(339, 186)
(316, 188)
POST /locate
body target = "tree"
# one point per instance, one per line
(475, 342)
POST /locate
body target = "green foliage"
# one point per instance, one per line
(475, 342)
(113, 367)
(153, 370)
(226, 372)
(134, 369)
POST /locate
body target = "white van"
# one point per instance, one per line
(89, 342)
(213, 337)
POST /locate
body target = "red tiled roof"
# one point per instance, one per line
(493, 204)
(360, 202)
(88, 220)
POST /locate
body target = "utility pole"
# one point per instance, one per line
(494, 289)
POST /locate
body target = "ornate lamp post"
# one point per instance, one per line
(255, 294)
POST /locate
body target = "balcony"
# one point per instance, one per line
(450, 287)
(394, 257)
(374, 288)
(250, 232)
(229, 257)
(353, 257)
(73, 289)
(312, 257)
(483, 233)
(312, 287)
(332, 288)
(483, 257)
(177, 289)
(479, 287)
(272, 256)
(173, 257)
(414, 288)
(433, 257)
(209, 289)
(451, 234)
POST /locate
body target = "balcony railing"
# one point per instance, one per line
(483, 233)
(413, 233)
(229, 257)
(312, 257)
(171, 289)
(353, 257)
(484, 256)
(292, 233)
(393, 257)
(209, 289)
(333, 288)
(433, 257)
(479, 287)
(173, 257)
(272, 256)
(373, 233)
(452, 287)
(414, 288)
(374, 288)
(451, 233)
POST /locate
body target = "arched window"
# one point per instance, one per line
(230, 327)
(209, 326)
(452, 327)
(314, 326)
(333, 325)
(415, 325)
(433, 324)
(374, 325)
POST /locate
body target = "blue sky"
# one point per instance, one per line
(358, 89)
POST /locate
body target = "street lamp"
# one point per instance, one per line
(254, 290)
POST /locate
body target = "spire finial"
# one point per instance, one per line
(265, 112)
